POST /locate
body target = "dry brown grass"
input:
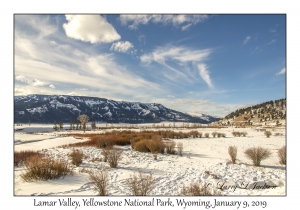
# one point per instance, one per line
(195, 189)
(45, 168)
(141, 146)
(21, 157)
(77, 157)
(100, 179)
(257, 154)
(232, 151)
(141, 184)
(155, 146)
(282, 155)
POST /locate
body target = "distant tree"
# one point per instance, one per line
(55, 127)
(61, 125)
(93, 125)
(77, 125)
(83, 120)
(71, 124)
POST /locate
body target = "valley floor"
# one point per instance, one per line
(201, 158)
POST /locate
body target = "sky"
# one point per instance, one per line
(211, 64)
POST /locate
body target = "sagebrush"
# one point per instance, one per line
(282, 155)
(232, 151)
(141, 184)
(196, 189)
(257, 154)
(45, 168)
(77, 157)
(100, 179)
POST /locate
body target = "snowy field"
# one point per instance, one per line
(171, 172)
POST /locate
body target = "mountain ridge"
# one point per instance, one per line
(38, 108)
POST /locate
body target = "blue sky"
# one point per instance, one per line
(211, 64)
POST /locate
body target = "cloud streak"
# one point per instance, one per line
(182, 21)
(180, 61)
(71, 66)
(246, 40)
(282, 71)
(205, 74)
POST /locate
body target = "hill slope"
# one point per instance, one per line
(267, 113)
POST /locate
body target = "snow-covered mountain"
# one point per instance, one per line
(47, 108)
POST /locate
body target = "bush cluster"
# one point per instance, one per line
(216, 134)
(128, 137)
(21, 156)
(239, 134)
(45, 168)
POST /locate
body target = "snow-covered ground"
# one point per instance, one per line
(171, 172)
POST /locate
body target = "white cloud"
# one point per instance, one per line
(273, 30)
(121, 46)
(186, 27)
(33, 82)
(90, 28)
(246, 40)
(282, 71)
(51, 86)
(175, 20)
(205, 74)
(21, 91)
(171, 96)
(271, 42)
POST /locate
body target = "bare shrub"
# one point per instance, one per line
(113, 157)
(282, 155)
(100, 179)
(268, 134)
(179, 148)
(77, 157)
(105, 152)
(257, 154)
(232, 151)
(21, 156)
(140, 185)
(170, 147)
(195, 189)
(207, 135)
(244, 134)
(219, 135)
(45, 168)
(214, 134)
